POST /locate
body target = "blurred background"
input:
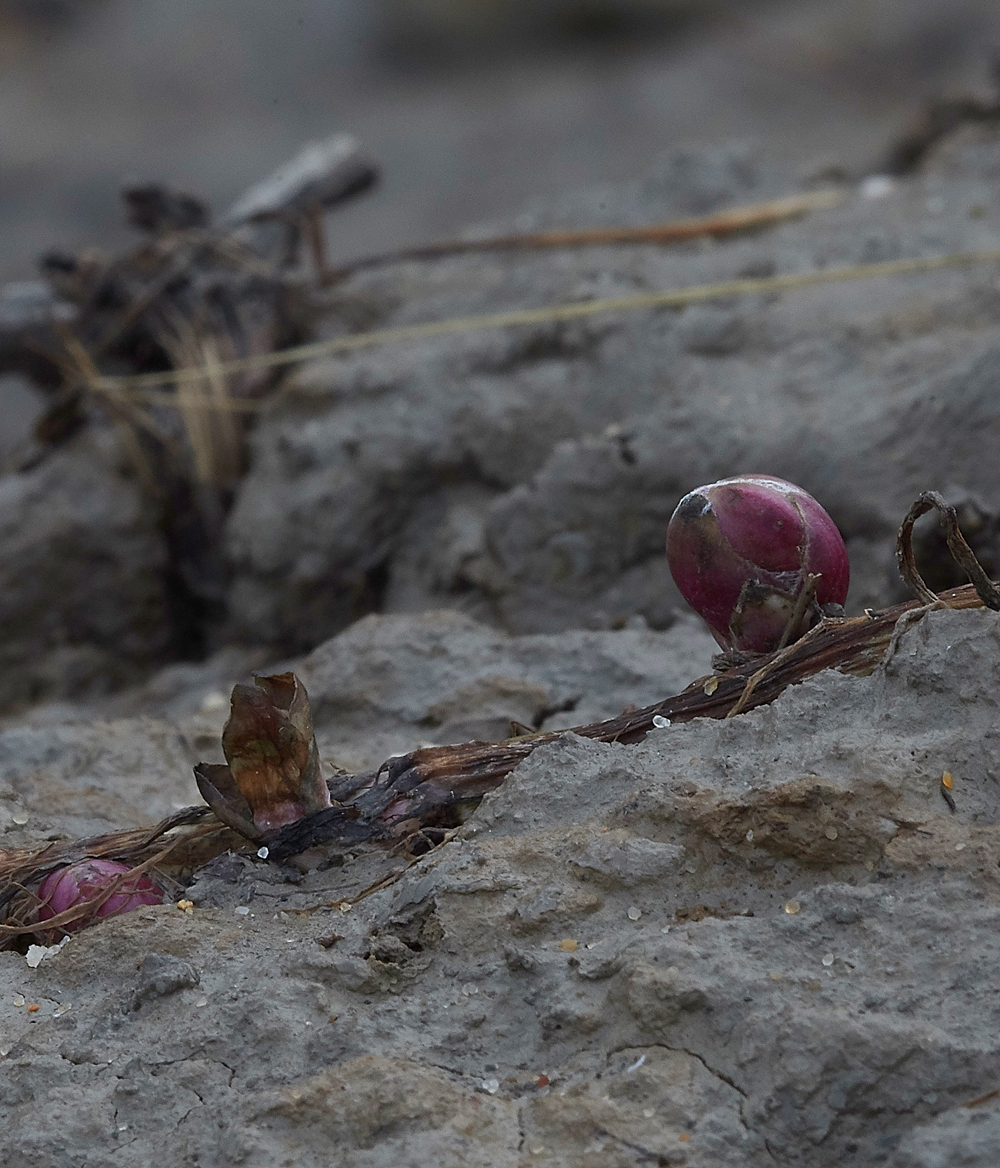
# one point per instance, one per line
(474, 106)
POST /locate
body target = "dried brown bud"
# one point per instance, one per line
(273, 770)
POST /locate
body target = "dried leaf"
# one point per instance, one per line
(269, 745)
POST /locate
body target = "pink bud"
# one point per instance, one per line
(84, 881)
(741, 550)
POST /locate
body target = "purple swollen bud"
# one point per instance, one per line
(83, 882)
(742, 550)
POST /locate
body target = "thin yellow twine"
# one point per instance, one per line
(673, 297)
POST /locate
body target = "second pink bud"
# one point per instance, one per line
(741, 550)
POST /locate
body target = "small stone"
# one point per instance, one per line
(538, 1149)
(568, 945)
(634, 913)
(774, 976)
(876, 186)
(792, 907)
(214, 701)
(345, 907)
(947, 780)
(34, 1008)
(160, 976)
(186, 906)
(241, 910)
(685, 1137)
(263, 853)
(750, 836)
(202, 1002)
(830, 833)
(660, 722)
(959, 847)
(829, 959)
(711, 686)
(491, 1086)
(870, 865)
(469, 989)
(19, 999)
(649, 1112)
(62, 1008)
(38, 953)
(20, 817)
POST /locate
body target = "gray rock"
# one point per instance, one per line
(160, 976)
(961, 1138)
(391, 682)
(527, 477)
(84, 603)
(91, 776)
(746, 942)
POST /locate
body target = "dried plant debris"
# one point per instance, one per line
(191, 295)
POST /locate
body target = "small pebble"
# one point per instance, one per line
(20, 818)
(876, 186)
(792, 907)
(33, 1008)
(686, 1136)
(469, 989)
(263, 853)
(19, 999)
(649, 1112)
(711, 686)
(830, 833)
(634, 913)
(213, 701)
(568, 945)
(241, 910)
(750, 836)
(491, 1086)
(62, 1008)
(660, 722)
(828, 959)
(959, 847)
(774, 976)
(202, 1002)
(186, 906)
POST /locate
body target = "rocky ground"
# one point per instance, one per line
(763, 941)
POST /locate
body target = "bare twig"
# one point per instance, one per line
(727, 222)
(804, 599)
(964, 556)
